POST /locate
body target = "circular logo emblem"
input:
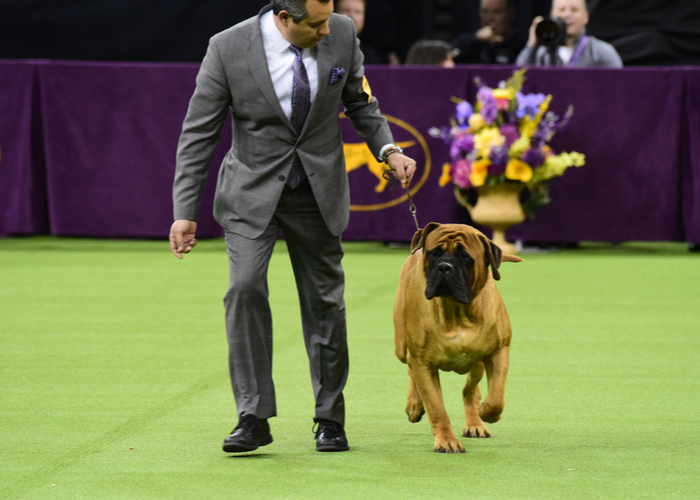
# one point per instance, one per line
(369, 190)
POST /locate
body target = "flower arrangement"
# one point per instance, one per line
(503, 139)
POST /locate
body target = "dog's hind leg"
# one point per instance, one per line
(496, 374)
(474, 427)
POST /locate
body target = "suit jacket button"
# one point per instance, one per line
(281, 178)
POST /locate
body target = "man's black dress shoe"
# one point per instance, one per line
(330, 436)
(249, 434)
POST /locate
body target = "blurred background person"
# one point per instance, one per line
(392, 26)
(355, 10)
(496, 42)
(433, 52)
(578, 49)
(644, 32)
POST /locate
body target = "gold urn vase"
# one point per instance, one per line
(498, 208)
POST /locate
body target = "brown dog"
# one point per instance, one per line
(449, 316)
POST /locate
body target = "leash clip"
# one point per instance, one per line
(393, 182)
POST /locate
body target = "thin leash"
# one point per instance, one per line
(393, 182)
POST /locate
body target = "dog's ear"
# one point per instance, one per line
(493, 255)
(419, 237)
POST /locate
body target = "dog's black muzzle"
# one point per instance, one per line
(448, 275)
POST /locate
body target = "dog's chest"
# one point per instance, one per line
(461, 349)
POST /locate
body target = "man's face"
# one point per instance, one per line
(495, 13)
(355, 10)
(311, 29)
(573, 13)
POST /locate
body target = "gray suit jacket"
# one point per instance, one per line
(234, 76)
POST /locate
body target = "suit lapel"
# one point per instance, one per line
(257, 63)
(324, 61)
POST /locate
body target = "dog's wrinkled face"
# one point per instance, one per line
(449, 272)
(456, 259)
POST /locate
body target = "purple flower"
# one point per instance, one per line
(537, 141)
(499, 160)
(461, 147)
(510, 132)
(489, 110)
(444, 133)
(464, 111)
(533, 157)
(528, 104)
(541, 135)
(557, 126)
(461, 170)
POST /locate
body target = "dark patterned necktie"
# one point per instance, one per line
(301, 102)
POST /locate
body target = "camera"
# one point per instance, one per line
(551, 32)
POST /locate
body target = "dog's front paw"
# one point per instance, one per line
(490, 414)
(450, 445)
(476, 431)
(415, 411)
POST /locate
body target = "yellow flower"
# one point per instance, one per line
(544, 107)
(476, 121)
(528, 127)
(480, 169)
(445, 178)
(517, 170)
(487, 139)
(504, 93)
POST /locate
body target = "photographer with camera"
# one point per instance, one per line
(562, 40)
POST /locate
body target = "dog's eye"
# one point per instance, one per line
(465, 257)
(435, 253)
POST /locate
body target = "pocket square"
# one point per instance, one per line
(336, 75)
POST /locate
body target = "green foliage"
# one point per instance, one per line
(516, 80)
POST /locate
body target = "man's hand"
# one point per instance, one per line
(404, 167)
(486, 35)
(532, 39)
(182, 238)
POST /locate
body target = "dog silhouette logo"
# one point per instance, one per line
(358, 155)
(368, 187)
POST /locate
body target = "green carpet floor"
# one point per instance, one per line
(113, 380)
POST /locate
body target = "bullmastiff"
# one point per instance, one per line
(449, 316)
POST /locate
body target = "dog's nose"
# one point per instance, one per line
(444, 267)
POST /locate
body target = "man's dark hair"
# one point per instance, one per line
(429, 52)
(296, 8)
(510, 4)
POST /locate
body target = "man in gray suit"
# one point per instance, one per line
(282, 75)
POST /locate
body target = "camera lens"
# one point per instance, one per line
(551, 31)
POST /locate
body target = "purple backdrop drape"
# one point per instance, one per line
(628, 125)
(110, 132)
(22, 177)
(690, 151)
(88, 149)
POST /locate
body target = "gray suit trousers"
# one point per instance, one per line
(316, 260)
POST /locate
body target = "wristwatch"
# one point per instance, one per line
(391, 150)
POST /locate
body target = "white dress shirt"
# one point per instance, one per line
(565, 54)
(280, 62)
